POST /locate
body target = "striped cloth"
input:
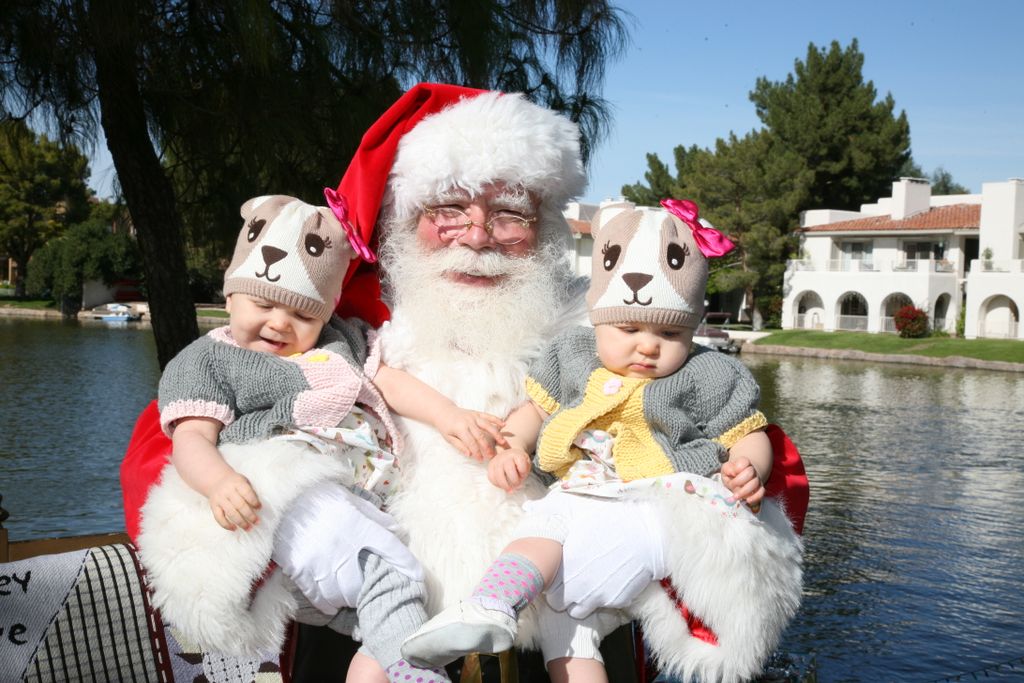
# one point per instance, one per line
(86, 616)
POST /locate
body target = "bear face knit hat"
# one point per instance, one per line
(437, 137)
(291, 253)
(652, 266)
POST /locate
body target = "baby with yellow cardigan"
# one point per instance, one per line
(615, 409)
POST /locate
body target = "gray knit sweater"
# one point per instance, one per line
(695, 414)
(257, 394)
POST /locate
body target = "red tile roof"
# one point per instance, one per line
(579, 227)
(952, 217)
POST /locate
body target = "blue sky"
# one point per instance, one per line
(955, 67)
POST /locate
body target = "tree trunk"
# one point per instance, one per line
(147, 190)
(20, 266)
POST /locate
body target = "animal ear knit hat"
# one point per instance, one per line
(291, 253)
(653, 264)
(437, 137)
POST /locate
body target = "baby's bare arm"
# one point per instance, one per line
(522, 427)
(196, 458)
(472, 432)
(511, 466)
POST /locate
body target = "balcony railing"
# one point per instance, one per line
(849, 265)
(997, 266)
(856, 323)
(888, 324)
(873, 266)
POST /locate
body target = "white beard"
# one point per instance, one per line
(510, 318)
(474, 345)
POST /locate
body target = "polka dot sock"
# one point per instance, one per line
(509, 584)
(404, 672)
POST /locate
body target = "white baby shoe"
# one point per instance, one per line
(459, 630)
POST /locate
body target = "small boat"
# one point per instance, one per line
(115, 313)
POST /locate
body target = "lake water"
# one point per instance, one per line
(70, 395)
(914, 551)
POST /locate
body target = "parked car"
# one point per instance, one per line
(707, 334)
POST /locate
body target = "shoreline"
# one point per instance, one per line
(14, 312)
(898, 358)
(745, 343)
(84, 316)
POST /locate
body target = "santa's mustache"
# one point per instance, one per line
(469, 262)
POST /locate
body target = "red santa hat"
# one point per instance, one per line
(437, 137)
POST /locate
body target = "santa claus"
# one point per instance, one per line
(473, 247)
(461, 193)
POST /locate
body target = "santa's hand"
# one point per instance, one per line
(613, 550)
(319, 538)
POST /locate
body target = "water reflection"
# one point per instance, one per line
(71, 395)
(914, 555)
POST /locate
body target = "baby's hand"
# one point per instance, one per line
(473, 433)
(234, 502)
(509, 469)
(740, 477)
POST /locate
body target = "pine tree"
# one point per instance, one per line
(826, 143)
(828, 116)
(750, 189)
(661, 184)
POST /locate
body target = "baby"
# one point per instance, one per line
(284, 374)
(613, 409)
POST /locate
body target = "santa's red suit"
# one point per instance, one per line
(477, 349)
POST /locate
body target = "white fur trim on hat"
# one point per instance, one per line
(488, 138)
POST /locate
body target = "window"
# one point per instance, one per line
(855, 251)
(855, 255)
(922, 250)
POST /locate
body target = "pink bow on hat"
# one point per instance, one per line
(340, 208)
(710, 241)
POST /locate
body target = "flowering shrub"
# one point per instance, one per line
(911, 322)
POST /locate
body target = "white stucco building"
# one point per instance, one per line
(939, 253)
(579, 215)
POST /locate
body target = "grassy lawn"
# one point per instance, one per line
(1010, 350)
(212, 313)
(37, 304)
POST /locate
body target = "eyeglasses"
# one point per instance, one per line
(504, 228)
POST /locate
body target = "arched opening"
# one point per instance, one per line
(940, 311)
(810, 312)
(853, 312)
(893, 303)
(999, 318)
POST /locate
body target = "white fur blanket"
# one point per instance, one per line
(206, 580)
(740, 574)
